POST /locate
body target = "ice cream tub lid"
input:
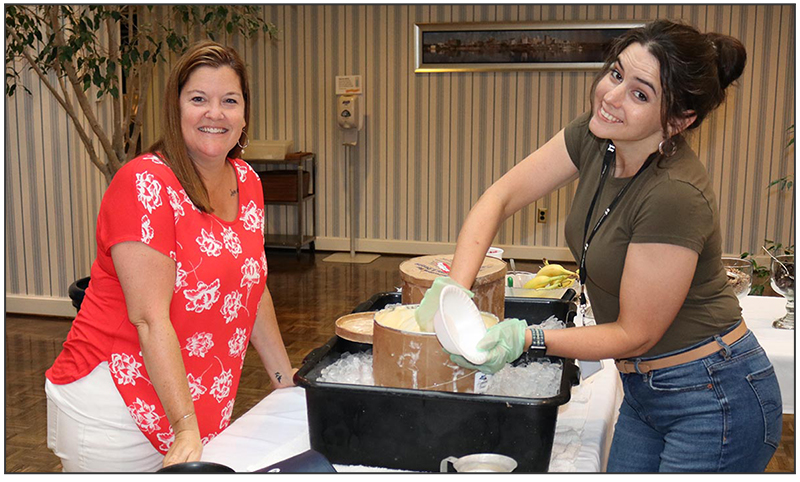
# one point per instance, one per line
(424, 269)
(356, 327)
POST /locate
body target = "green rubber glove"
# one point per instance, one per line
(504, 342)
(430, 302)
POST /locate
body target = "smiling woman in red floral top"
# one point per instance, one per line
(150, 369)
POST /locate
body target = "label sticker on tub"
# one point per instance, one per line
(481, 382)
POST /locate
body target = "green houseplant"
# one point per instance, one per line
(782, 186)
(111, 50)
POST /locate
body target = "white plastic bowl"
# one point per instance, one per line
(459, 325)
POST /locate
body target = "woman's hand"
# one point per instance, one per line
(430, 302)
(503, 343)
(187, 447)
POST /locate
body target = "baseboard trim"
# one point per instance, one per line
(40, 305)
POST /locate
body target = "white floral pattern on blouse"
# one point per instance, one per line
(220, 267)
(250, 273)
(176, 203)
(147, 230)
(238, 343)
(166, 439)
(222, 385)
(232, 243)
(209, 244)
(196, 387)
(252, 217)
(203, 297)
(149, 190)
(199, 344)
(144, 415)
(125, 368)
(180, 276)
(233, 303)
(242, 171)
(227, 412)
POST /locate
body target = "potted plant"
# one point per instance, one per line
(109, 52)
(761, 274)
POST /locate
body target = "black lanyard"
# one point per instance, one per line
(608, 160)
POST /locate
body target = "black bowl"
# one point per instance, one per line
(196, 467)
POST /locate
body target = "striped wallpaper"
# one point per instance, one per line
(431, 142)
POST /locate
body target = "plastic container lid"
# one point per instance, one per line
(459, 325)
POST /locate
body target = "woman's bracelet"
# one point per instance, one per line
(185, 416)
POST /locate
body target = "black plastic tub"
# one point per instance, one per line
(76, 292)
(415, 429)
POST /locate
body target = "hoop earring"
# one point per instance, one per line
(667, 147)
(246, 141)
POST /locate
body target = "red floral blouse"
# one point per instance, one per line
(221, 272)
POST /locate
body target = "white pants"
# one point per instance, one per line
(90, 429)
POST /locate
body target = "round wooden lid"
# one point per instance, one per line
(356, 327)
(424, 269)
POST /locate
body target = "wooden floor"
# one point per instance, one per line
(309, 295)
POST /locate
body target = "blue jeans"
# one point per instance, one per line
(722, 413)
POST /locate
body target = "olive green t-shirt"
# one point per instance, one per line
(671, 202)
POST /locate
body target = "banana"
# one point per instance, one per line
(537, 282)
(551, 276)
(554, 270)
(555, 282)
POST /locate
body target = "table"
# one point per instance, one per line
(759, 312)
(277, 428)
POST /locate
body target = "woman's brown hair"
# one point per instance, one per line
(696, 67)
(171, 146)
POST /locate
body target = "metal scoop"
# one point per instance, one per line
(776, 259)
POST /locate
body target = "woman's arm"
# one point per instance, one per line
(268, 343)
(655, 282)
(147, 278)
(545, 170)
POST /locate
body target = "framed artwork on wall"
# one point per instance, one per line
(509, 46)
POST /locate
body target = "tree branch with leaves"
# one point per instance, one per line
(111, 50)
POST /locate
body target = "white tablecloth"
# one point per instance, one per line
(277, 428)
(759, 312)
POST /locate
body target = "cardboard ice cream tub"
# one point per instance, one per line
(419, 273)
(403, 357)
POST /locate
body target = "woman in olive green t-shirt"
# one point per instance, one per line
(700, 394)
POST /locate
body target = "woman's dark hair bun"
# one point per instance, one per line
(731, 57)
